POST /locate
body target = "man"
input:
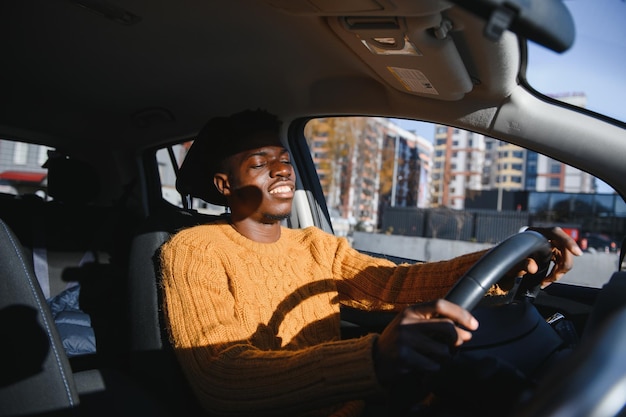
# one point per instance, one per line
(253, 307)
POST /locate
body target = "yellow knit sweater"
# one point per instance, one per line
(256, 326)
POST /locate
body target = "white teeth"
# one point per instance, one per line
(283, 189)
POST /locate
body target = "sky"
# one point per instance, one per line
(595, 65)
(596, 62)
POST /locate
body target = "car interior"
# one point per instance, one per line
(111, 94)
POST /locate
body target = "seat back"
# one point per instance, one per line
(64, 233)
(67, 231)
(152, 359)
(75, 238)
(36, 376)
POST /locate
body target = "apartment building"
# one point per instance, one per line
(365, 164)
(466, 162)
(461, 162)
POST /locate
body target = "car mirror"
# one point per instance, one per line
(546, 22)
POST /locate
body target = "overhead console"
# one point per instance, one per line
(408, 44)
(414, 54)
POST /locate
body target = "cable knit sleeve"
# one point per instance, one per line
(378, 284)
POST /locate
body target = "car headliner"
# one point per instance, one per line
(73, 77)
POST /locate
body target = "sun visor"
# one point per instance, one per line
(416, 55)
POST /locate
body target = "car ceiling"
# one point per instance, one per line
(74, 75)
(106, 74)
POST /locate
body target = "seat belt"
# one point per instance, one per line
(40, 256)
(622, 253)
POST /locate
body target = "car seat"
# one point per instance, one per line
(73, 238)
(152, 359)
(36, 377)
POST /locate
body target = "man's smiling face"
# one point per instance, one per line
(260, 182)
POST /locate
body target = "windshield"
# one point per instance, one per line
(591, 73)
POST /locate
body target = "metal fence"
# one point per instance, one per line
(484, 226)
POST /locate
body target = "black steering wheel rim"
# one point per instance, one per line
(491, 267)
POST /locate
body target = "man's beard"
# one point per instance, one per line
(277, 217)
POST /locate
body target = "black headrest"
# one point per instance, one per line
(71, 180)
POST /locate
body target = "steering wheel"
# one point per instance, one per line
(474, 284)
(511, 342)
(591, 380)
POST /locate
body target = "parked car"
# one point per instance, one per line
(105, 97)
(597, 242)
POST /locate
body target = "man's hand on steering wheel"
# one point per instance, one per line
(564, 248)
(419, 340)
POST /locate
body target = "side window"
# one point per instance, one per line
(389, 177)
(169, 159)
(21, 169)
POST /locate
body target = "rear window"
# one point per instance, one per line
(21, 169)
